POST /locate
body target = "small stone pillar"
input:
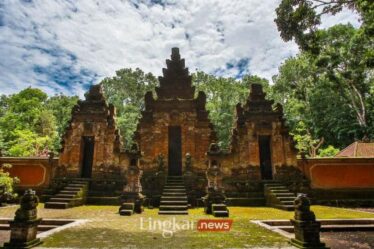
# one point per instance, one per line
(24, 227)
(306, 227)
(132, 198)
(215, 200)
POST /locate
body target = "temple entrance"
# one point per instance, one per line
(88, 145)
(175, 151)
(265, 157)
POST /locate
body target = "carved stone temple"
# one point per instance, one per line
(177, 157)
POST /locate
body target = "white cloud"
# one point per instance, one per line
(63, 38)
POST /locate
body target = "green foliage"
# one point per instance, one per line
(329, 151)
(299, 19)
(60, 107)
(222, 96)
(126, 92)
(328, 92)
(7, 182)
(27, 126)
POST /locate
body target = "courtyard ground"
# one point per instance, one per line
(106, 229)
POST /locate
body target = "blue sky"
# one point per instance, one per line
(66, 45)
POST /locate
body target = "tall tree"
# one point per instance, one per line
(222, 96)
(28, 127)
(327, 96)
(126, 92)
(60, 107)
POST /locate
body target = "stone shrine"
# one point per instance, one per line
(91, 143)
(176, 122)
(175, 165)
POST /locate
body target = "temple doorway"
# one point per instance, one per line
(265, 157)
(175, 151)
(88, 145)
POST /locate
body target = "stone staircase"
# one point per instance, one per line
(174, 197)
(74, 194)
(220, 210)
(278, 196)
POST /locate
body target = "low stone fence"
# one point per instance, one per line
(33, 172)
(339, 173)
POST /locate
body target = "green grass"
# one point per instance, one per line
(106, 229)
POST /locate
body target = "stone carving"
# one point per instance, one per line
(132, 196)
(188, 162)
(214, 176)
(214, 189)
(160, 162)
(306, 227)
(92, 122)
(25, 224)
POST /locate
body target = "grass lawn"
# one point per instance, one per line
(107, 229)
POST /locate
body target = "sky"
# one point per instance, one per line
(64, 46)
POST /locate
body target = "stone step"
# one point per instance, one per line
(173, 207)
(175, 177)
(176, 192)
(80, 182)
(59, 195)
(173, 198)
(219, 207)
(173, 212)
(56, 205)
(174, 187)
(279, 190)
(173, 194)
(221, 213)
(176, 203)
(72, 188)
(277, 187)
(126, 212)
(68, 192)
(78, 185)
(281, 198)
(288, 194)
(287, 202)
(57, 199)
(170, 184)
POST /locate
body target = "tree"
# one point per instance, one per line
(7, 184)
(60, 106)
(327, 95)
(126, 92)
(300, 19)
(222, 96)
(28, 127)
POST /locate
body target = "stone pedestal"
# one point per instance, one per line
(306, 227)
(213, 197)
(23, 234)
(307, 235)
(24, 227)
(136, 199)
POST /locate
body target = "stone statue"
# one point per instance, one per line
(188, 162)
(27, 211)
(160, 162)
(133, 180)
(24, 227)
(132, 198)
